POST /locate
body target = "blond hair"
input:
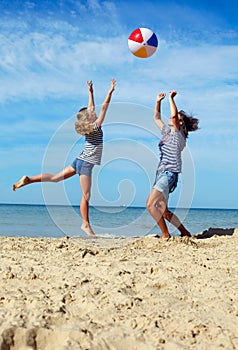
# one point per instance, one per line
(83, 126)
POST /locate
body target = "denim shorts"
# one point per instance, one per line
(166, 182)
(82, 167)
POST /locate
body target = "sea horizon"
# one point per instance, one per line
(115, 206)
(40, 220)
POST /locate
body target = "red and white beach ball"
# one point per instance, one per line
(143, 42)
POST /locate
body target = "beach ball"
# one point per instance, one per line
(143, 42)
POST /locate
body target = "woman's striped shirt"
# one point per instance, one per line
(171, 146)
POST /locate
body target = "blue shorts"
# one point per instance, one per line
(82, 167)
(165, 182)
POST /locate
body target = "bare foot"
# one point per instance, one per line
(187, 234)
(164, 236)
(22, 182)
(88, 229)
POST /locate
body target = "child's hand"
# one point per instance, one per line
(113, 84)
(90, 85)
(173, 93)
(160, 96)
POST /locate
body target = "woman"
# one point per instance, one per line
(171, 145)
(88, 124)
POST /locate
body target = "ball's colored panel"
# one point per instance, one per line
(150, 50)
(142, 52)
(153, 41)
(136, 36)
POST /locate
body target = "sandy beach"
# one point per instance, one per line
(120, 294)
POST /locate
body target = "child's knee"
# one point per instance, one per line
(86, 196)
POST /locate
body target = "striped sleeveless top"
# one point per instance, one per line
(92, 151)
(171, 146)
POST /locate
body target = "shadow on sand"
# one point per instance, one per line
(215, 232)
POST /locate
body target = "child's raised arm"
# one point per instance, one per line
(105, 104)
(90, 96)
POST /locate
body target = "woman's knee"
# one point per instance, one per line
(149, 204)
(152, 204)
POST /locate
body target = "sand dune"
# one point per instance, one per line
(122, 293)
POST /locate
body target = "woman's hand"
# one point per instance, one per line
(173, 93)
(90, 85)
(160, 96)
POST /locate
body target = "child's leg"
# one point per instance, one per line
(62, 175)
(85, 183)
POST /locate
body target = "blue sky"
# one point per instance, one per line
(48, 51)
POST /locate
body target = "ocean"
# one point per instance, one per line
(58, 221)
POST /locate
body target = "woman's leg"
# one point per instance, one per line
(62, 175)
(156, 204)
(85, 183)
(174, 220)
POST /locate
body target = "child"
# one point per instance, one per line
(88, 124)
(173, 141)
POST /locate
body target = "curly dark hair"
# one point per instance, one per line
(190, 123)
